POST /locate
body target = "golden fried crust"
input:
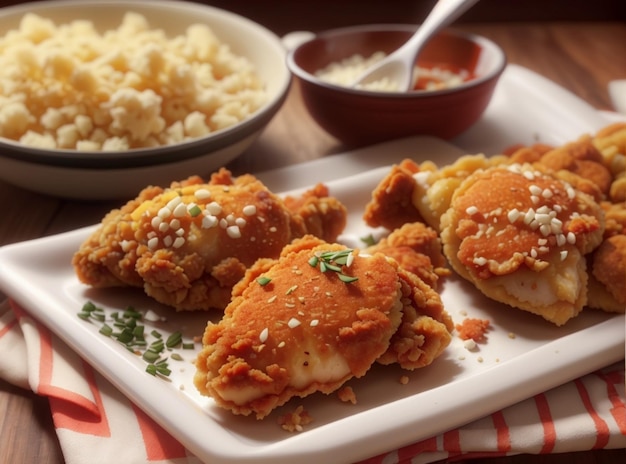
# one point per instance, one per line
(615, 214)
(417, 249)
(513, 229)
(302, 332)
(391, 205)
(100, 260)
(609, 267)
(581, 158)
(324, 216)
(189, 244)
(425, 329)
(306, 331)
(435, 187)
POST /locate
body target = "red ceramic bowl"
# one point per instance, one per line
(360, 117)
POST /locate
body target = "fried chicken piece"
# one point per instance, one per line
(608, 265)
(324, 216)
(189, 244)
(292, 330)
(391, 205)
(520, 235)
(435, 186)
(417, 249)
(582, 158)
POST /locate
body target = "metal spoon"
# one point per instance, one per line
(399, 66)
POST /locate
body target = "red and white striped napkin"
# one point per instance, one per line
(96, 424)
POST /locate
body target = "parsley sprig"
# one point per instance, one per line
(334, 261)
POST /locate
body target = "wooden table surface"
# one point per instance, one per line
(580, 56)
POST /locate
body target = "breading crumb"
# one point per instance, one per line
(346, 394)
(404, 379)
(473, 329)
(294, 421)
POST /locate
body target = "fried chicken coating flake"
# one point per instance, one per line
(189, 244)
(299, 330)
(520, 236)
(417, 248)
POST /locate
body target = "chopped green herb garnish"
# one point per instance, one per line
(106, 330)
(194, 210)
(369, 240)
(263, 281)
(151, 356)
(174, 340)
(127, 328)
(334, 261)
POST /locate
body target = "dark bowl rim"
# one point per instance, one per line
(137, 157)
(414, 94)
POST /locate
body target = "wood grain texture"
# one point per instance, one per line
(582, 56)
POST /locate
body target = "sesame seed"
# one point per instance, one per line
(233, 231)
(271, 299)
(167, 241)
(560, 239)
(281, 344)
(528, 175)
(563, 255)
(180, 210)
(535, 190)
(178, 242)
(314, 322)
(273, 229)
(223, 223)
(469, 344)
(214, 208)
(571, 238)
(241, 222)
(547, 193)
(175, 224)
(513, 215)
(209, 222)
(153, 243)
(164, 212)
(290, 305)
(125, 244)
(164, 227)
(293, 323)
(350, 259)
(173, 203)
(480, 261)
(202, 194)
(571, 193)
(249, 210)
(155, 222)
(263, 335)
(471, 210)
(180, 232)
(152, 234)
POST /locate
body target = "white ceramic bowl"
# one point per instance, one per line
(110, 175)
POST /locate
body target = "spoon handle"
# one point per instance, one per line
(444, 12)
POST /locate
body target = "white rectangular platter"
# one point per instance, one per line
(459, 387)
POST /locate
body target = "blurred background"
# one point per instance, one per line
(283, 16)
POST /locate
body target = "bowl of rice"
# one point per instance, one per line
(99, 99)
(454, 79)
